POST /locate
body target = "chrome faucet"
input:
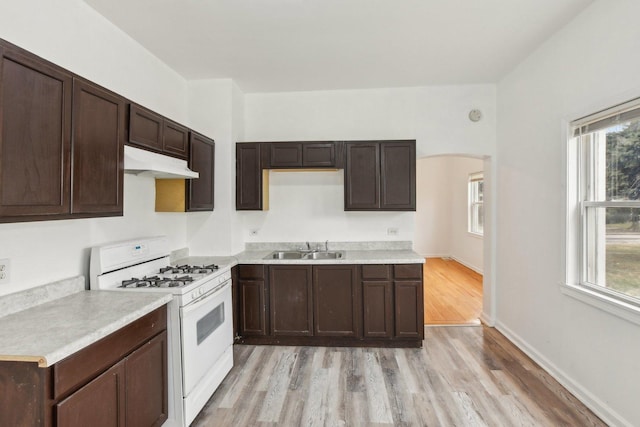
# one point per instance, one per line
(326, 246)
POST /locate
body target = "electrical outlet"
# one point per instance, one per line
(393, 231)
(4, 270)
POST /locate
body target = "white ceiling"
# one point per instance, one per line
(292, 45)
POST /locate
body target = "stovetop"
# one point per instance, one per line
(171, 277)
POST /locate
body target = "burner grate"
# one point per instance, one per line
(189, 269)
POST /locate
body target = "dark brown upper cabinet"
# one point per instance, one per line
(285, 154)
(175, 139)
(200, 191)
(61, 145)
(380, 175)
(98, 148)
(303, 155)
(251, 182)
(154, 132)
(321, 155)
(35, 143)
(145, 128)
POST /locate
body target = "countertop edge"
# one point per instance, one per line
(71, 348)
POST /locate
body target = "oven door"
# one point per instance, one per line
(207, 331)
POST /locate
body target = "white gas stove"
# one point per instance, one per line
(199, 317)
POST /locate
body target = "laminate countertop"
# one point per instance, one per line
(49, 331)
(385, 256)
(372, 252)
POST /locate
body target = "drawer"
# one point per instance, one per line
(376, 271)
(252, 272)
(407, 271)
(81, 367)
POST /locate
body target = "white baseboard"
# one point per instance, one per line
(472, 267)
(600, 408)
(487, 320)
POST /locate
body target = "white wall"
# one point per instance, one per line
(442, 208)
(589, 65)
(465, 247)
(433, 207)
(216, 109)
(72, 35)
(309, 206)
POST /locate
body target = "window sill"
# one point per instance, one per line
(476, 235)
(603, 302)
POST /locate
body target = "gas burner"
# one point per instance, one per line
(157, 282)
(189, 269)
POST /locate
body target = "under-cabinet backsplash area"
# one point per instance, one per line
(310, 206)
(45, 251)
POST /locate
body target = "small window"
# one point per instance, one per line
(476, 209)
(607, 203)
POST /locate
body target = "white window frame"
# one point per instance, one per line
(475, 221)
(583, 200)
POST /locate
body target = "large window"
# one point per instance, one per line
(607, 201)
(476, 210)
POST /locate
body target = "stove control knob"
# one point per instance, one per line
(194, 295)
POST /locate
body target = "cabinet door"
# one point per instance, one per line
(100, 403)
(335, 297)
(146, 384)
(145, 128)
(398, 176)
(202, 160)
(98, 147)
(253, 309)
(409, 309)
(285, 155)
(377, 308)
(319, 155)
(362, 176)
(290, 294)
(175, 139)
(35, 138)
(248, 177)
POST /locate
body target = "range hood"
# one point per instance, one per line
(142, 162)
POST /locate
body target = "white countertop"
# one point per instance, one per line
(47, 333)
(380, 256)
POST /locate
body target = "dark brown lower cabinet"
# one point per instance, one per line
(146, 384)
(97, 404)
(335, 301)
(346, 304)
(253, 312)
(408, 301)
(290, 300)
(408, 309)
(251, 302)
(377, 297)
(120, 380)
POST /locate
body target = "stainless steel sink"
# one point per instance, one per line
(285, 255)
(305, 255)
(324, 255)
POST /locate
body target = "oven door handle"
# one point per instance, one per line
(194, 305)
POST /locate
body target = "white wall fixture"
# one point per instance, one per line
(475, 115)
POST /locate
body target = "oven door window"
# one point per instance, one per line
(209, 323)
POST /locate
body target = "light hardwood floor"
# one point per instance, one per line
(464, 376)
(452, 293)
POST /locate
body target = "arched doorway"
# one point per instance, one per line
(458, 271)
